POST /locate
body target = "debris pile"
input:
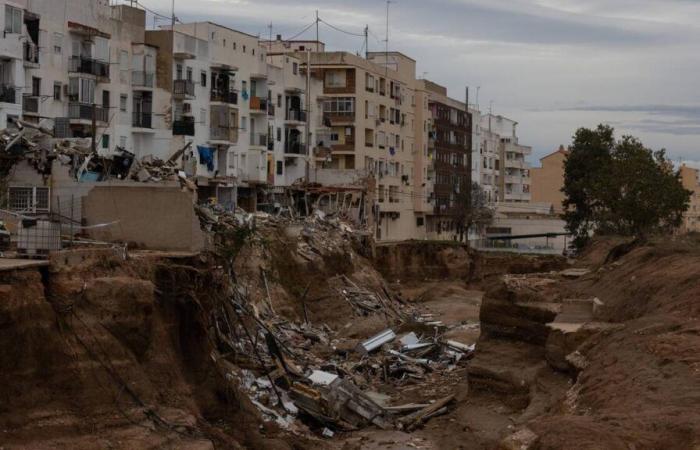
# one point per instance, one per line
(286, 375)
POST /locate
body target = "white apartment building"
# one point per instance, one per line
(505, 174)
(70, 69)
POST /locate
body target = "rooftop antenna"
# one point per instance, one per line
(173, 18)
(366, 41)
(269, 43)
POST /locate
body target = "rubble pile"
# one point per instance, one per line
(304, 375)
(38, 146)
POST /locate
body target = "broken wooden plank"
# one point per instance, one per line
(413, 421)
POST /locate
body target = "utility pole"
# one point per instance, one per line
(317, 38)
(386, 41)
(366, 41)
(469, 155)
(93, 142)
(307, 125)
(173, 18)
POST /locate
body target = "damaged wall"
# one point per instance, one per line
(150, 216)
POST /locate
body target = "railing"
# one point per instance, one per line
(184, 127)
(219, 133)
(339, 116)
(270, 109)
(258, 139)
(89, 66)
(31, 52)
(139, 78)
(30, 104)
(258, 103)
(85, 111)
(8, 94)
(183, 87)
(295, 148)
(295, 115)
(142, 120)
(224, 97)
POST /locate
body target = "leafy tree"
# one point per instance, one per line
(619, 187)
(479, 215)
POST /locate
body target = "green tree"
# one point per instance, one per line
(619, 187)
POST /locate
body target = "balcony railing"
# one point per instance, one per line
(8, 94)
(258, 139)
(258, 103)
(295, 115)
(31, 53)
(338, 116)
(30, 104)
(142, 120)
(183, 88)
(220, 133)
(85, 111)
(225, 97)
(139, 78)
(184, 127)
(88, 66)
(295, 148)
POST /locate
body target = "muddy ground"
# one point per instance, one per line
(98, 352)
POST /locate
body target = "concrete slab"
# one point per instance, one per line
(7, 264)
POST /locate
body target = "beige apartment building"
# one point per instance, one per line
(690, 178)
(366, 129)
(548, 180)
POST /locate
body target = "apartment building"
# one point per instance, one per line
(690, 178)
(548, 180)
(443, 162)
(505, 174)
(366, 126)
(90, 66)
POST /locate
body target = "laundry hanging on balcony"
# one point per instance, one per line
(206, 156)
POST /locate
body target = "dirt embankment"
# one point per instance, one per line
(98, 352)
(628, 376)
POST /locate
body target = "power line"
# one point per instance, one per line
(341, 30)
(301, 32)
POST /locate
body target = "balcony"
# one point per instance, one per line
(258, 105)
(339, 117)
(184, 127)
(295, 115)
(85, 111)
(8, 94)
(89, 66)
(31, 54)
(223, 133)
(258, 140)
(230, 98)
(142, 120)
(140, 78)
(183, 89)
(295, 148)
(30, 104)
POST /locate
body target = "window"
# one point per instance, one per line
(253, 52)
(123, 99)
(58, 43)
(339, 105)
(224, 42)
(189, 74)
(234, 45)
(244, 85)
(335, 78)
(244, 49)
(178, 72)
(28, 199)
(105, 141)
(203, 116)
(369, 82)
(279, 168)
(279, 100)
(244, 123)
(57, 90)
(13, 20)
(295, 68)
(279, 134)
(203, 77)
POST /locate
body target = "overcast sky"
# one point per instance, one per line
(551, 65)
